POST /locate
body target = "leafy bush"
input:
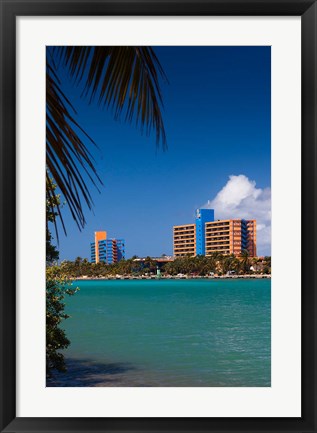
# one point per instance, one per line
(57, 286)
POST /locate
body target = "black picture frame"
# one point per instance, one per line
(10, 9)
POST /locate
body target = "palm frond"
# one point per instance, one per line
(122, 78)
(53, 207)
(66, 154)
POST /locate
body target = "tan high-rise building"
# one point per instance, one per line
(184, 240)
(231, 236)
(207, 236)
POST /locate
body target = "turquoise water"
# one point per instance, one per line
(169, 333)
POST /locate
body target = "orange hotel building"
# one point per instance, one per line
(230, 236)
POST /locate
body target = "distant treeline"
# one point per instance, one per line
(217, 264)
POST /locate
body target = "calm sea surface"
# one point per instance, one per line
(169, 333)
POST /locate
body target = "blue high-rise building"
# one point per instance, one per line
(111, 250)
(202, 217)
(107, 250)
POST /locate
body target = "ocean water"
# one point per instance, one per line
(189, 333)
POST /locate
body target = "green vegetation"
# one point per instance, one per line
(57, 286)
(195, 266)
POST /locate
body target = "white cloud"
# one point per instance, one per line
(240, 198)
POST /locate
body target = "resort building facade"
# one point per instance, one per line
(231, 237)
(106, 250)
(208, 236)
(184, 240)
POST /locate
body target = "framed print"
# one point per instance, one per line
(158, 179)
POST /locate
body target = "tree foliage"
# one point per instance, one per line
(57, 287)
(52, 202)
(200, 266)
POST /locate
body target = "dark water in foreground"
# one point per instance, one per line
(169, 333)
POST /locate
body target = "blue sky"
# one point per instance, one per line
(217, 115)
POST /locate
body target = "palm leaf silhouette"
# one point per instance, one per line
(124, 79)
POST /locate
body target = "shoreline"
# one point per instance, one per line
(83, 372)
(171, 277)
